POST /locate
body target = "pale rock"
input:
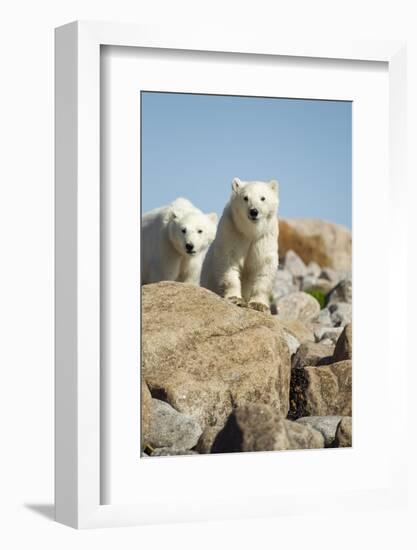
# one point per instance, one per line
(170, 428)
(340, 314)
(294, 264)
(314, 269)
(328, 333)
(298, 305)
(326, 425)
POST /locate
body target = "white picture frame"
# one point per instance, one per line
(77, 242)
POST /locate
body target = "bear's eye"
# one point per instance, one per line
(245, 199)
(200, 230)
(184, 230)
(262, 198)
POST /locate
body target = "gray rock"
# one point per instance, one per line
(169, 451)
(309, 354)
(298, 305)
(314, 269)
(331, 275)
(324, 318)
(327, 342)
(172, 429)
(345, 274)
(283, 284)
(342, 292)
(309, 281)
(294, 264)
(292, 342)
(284, 275)
(326, 425)
(341, 314)
(328, 333)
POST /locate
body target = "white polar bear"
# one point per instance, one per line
(174, 241)
(241, 263)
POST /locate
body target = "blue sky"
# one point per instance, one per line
(193, 146)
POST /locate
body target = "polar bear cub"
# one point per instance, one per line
(175, 239)
(241, 263)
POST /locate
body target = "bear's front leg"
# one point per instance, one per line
(261, 286)
(168, 271)
(191, 271)
(232, 287)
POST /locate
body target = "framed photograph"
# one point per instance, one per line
(226, 211)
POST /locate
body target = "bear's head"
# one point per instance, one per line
(192, 232)
(254, 202)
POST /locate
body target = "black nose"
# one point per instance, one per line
(189, 247)
(253, 212)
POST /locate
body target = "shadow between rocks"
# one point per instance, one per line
(229, 439)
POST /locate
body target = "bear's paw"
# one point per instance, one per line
(237, 301)
(258, 306)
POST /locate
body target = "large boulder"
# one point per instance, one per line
(204, 356)
(321, 391)
(328, 244)
(261, 428)
(298, 305)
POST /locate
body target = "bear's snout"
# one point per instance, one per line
(253, 212)
(189, 248)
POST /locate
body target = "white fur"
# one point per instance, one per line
(164, 254)
(242, 261)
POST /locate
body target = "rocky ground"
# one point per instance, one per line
(219, 378)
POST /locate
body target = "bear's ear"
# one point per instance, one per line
(236, 185)
(212, 217)
(172, 214)
(274, 185)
